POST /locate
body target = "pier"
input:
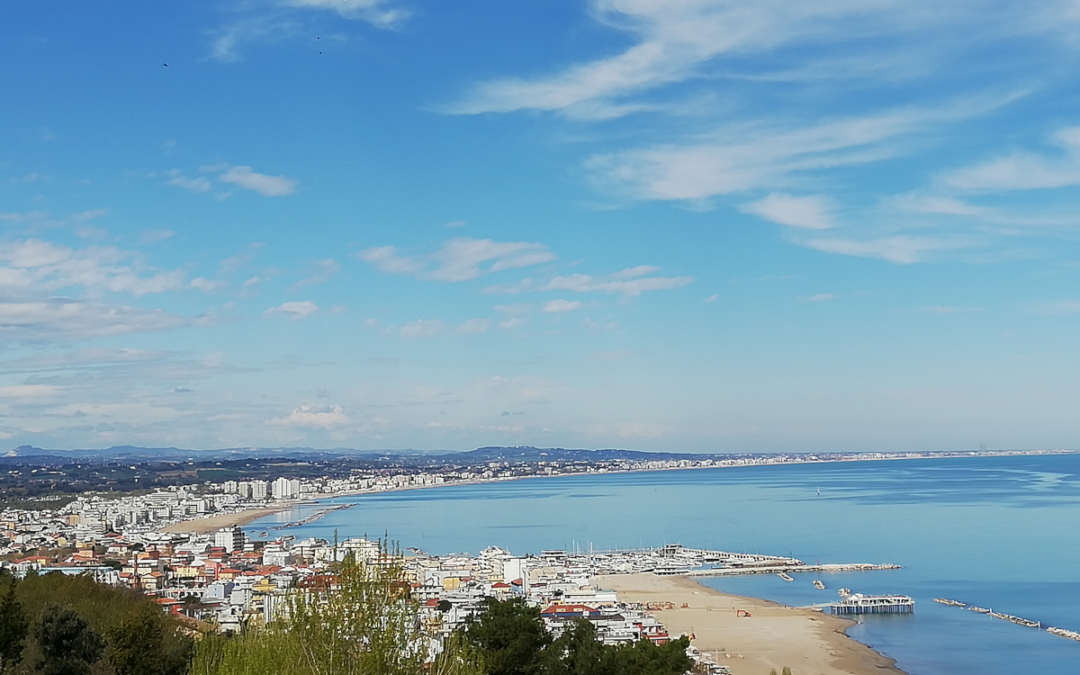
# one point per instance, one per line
(857, 603)
(787, 569)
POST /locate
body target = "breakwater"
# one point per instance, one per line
(1019, 621)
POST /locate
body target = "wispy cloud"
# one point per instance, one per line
(65, 319)
(381, 13)
(421, 328)
(738, 158)
(673, 42)
(1025, 171)
(326, 270)
(196, 184)
(812, 212)
(37, 265)
(474, 326)
(264, 184)
(294, 310)
(559, 306)
(206, 285)
(240, 176)
(459, 259)
(271, 21)
(820, 297)
(312, 415)
(899, 249)
(630, 282)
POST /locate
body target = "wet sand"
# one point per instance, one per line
(774, 636)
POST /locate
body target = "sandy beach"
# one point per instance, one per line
(212, 523)
(774, 636)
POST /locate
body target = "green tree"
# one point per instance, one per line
(141, 645)
(358, 621)
(68, 645)
(510, 637)
(578, 652)
(645, 658)
(13, 629)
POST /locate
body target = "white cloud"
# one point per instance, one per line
(283, 20)
(813, 212)
(64, 319)
(630, 282)
(154, 236)
(24, 391)
(474, 326)
(712, 298)
(900, 249)
(266, 185)
(196, 184)
(676, 40)
(738, 158)
(936, 204)
(312, 415)
(327, 269)
(615, 283)
(459, 259)
(1058, 307)
(206, 285)
(421, 328)
(39, 265)
(559, 306)
(511, 323)
(820, 297)
(1025, 171)
(294, 310)
(380, 13)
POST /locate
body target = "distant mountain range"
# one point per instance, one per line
(480, 455)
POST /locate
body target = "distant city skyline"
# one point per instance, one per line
(689, 226)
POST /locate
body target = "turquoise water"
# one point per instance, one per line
(995, 532)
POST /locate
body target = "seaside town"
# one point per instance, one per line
(186, 547)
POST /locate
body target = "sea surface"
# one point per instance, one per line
(997, 532)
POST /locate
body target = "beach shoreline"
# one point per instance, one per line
(243, 518)
(222, 520)
(772, 637)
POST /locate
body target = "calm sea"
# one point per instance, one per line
(1002, 533)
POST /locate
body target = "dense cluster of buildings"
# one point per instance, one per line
(229, 581)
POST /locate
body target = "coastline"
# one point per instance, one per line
(774, 636)
(216, 522)
(244, 518)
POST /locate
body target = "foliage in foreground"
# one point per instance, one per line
(510, 639)
(63, 625)
(359, 621)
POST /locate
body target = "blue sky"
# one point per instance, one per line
(686, 225)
